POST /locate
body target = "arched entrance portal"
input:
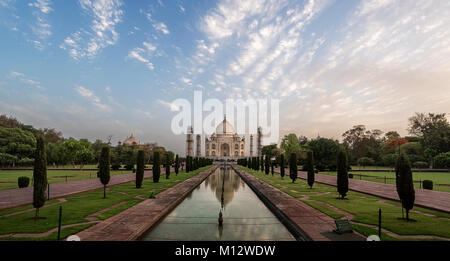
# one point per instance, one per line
(225, 150)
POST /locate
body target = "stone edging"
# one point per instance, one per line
(132, 223)
(296, 231)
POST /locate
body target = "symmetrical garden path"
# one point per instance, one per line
(19, 197)
(436, 200)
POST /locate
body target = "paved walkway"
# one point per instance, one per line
(19, 197)
(315, 224)
(135, 221)
(437, 200)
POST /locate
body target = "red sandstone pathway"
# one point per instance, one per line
(19, 197)
(437, 200)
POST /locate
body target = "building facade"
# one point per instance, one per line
(225, 143)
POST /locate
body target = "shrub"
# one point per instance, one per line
(427, 184)
(39, 175)
(442, 161)
(23, 182)
(25, 162)
(267, 164)
(116, 166)
(129, 166)
(364, 161)
(420, 165)
(282, 166)
(350, 176)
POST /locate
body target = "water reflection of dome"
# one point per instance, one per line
(232, 185)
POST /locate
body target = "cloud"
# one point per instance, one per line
(161, 27)
(102, 32)
(24, 79)
(169, 105)
(89, 95)
(42, 28)
(143, 55)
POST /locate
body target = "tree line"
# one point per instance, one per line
(427, 146)
(18, 142)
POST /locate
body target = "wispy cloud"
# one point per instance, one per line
(24, 79)
(143, 54)
(169, 105)
(101, 34)
(89, 95)
(42, 28)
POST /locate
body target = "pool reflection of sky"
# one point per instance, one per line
(245, 217)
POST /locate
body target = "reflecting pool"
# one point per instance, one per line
(223, 198)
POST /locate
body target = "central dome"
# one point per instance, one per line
(225, 128)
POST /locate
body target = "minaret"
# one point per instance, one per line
(199, 143)
(224, 124)
(259, 144)
(251, 145)
(189, 142)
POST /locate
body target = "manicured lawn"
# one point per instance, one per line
(82, 205)
(363, 207)
(436, 177)
(8, 178)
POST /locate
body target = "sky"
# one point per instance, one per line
(93, 68)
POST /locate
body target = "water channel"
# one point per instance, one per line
(222, 198)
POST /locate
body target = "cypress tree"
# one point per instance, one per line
(404, 183)
(177, 165)
(282, 165)
(140, 168)
(187, 164)
(257, 163)
(156, 167)
(342, 173)
(310, 168)
(167, 165)
(267, 165)
(104, 169)
(262, 163)
(39, 175)
(293, 167)
(272, 168)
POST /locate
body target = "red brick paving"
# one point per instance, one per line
(19, 197)
(133, 222)
(310, 220)
(437, 200)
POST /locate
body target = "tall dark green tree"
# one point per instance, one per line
(257, 163)
(140, 168)
(261, 162)
(188, 161)
(104, 168)
(342, 173)
(167, 166)
(404, 183)
(39, 175)
(293, 167)
(156, 166)
(310, 168)
(272, 168)
(177, 165)
(267, 164)
(282, 165)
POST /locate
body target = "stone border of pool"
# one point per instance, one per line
(132, 223)
(303, 221)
